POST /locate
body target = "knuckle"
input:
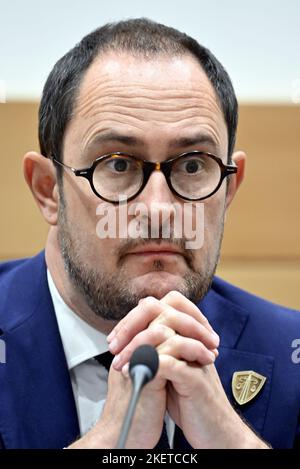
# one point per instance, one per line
(201, 329)
(127, 353)
(167, 361)
(166, 314)
(204, 318)
(125, 329)
(177, 340)
(158, 330)
(168, 332)
(155, 333)
(149, 302)
(205, 321)
(203, 355)
(160, 333)
(174, 295)
(206, 356)
(201, 348)
(204, 333)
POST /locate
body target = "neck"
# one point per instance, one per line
(71, 296)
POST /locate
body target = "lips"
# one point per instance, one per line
(156, 250)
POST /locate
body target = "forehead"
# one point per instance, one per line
(148, 98)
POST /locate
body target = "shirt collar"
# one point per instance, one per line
(80, 340)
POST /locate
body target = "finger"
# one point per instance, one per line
(125, 320)
(125, 370)
(182, 374)
(136, 320)
(173, 298)
(186, 326)
(170, 318)
(158, 333)
(158, 383)
(151, 336)
(189, 350)
(152, 310)
(180, 302)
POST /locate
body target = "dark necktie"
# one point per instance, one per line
(105, 359)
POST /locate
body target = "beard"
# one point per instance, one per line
(111, 295)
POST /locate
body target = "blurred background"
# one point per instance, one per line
(258, 42)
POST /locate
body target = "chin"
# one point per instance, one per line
(157, 284)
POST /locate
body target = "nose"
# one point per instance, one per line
(160, 207)
(157, 190)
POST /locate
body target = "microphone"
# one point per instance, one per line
(143, 367)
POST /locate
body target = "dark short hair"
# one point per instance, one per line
(141, 37)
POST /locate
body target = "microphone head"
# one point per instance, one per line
(145, 355)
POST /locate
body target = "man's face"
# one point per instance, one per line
(166, 106)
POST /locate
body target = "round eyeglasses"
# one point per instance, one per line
(192, 176)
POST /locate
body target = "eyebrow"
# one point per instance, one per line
(114, 137)
(198, 139)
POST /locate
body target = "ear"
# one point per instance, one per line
(40, 176)
(239, 158)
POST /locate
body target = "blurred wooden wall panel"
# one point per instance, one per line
(264, 218)
(23, 231)
(261, 248)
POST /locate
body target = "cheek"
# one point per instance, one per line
(83, 214)
(213, 212)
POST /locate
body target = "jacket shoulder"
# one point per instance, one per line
(258, 308)
(10, 266)
(20, 282)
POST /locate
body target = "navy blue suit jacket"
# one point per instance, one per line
(37, 408)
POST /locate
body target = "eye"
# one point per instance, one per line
(192, 166)
(119, 164)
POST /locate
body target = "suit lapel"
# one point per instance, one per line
(37, 408)
(230, 361)
(230, 322)
(226, 318)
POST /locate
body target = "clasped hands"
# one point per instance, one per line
(187, 384)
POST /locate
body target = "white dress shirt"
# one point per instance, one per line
(81, 342)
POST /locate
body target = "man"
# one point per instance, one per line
(141, 113)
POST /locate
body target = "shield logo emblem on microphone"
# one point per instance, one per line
(246, 385)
